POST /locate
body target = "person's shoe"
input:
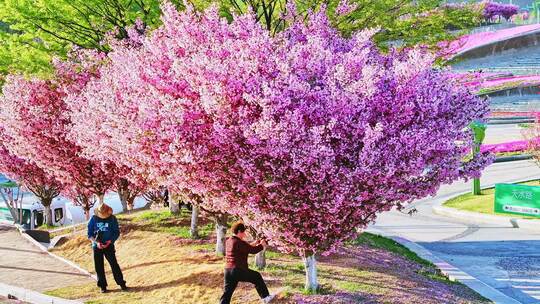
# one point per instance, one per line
(103, 290)
(124, 287)
(268, 299)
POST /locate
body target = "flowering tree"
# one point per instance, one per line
(85, 125)
(30, 176)
(490, 10)
(284, 131)
(533, 138)
(35, 116)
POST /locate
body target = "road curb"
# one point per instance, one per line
(61, 259)
(503, 159)
(532, 225)
(31, 296)
(453, 273)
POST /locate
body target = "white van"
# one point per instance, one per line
(33, 214)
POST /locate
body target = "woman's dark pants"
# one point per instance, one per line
(235, 275)
(110, 255)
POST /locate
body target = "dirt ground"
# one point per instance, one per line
(163, 268)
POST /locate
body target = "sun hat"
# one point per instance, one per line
(103, 211)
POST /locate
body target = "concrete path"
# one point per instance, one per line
(497, 134)
(505, 258)
(24, 265)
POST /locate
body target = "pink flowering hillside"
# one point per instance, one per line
(513, 146)
(469, 42)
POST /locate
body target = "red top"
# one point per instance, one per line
(237, 251)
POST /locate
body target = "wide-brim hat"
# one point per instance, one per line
(103, 211)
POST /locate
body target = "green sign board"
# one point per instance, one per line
(517, 199)
(8, 184)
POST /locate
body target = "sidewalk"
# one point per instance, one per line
(22, 264)
(4, 300)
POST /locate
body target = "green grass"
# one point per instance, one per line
(501, 154)
(481, 203)
(429, 270)
(293, 273)
(505, 86)
(47, 227)
(174, 224)
(525, 125)
(387, 244)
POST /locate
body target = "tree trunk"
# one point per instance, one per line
(48, 215)
(122, 188)
(221, 231)
(85, 204)
(46, 202)
(86, 213)
(130, 202)
(101, 198)
(260, 260)
(310, 264)
(194, 231)
(7, 195)
(123, 201)
(174, 207)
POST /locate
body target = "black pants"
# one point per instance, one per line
(235, 275)
(110, 255)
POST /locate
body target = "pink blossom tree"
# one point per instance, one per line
(119, 108)
(32, 178)
(29, 176)
(73, 75)
(305, 135)
(35, 116)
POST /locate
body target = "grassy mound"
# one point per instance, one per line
(162, 265)
(481, 203)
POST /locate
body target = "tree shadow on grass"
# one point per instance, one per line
(202, 279)
(153, 263)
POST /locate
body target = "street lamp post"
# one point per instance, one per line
(479, 131)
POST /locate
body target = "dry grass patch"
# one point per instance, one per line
(163, 266)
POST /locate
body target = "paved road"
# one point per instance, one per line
(503, 257)
(497, 134)
(24, 265)
(4, 300)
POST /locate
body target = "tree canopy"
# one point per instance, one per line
(32, 32)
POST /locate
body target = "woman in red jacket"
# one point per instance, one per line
(236, 267)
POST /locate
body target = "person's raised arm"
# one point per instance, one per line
(254, 249)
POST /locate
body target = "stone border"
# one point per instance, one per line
(31, 296)
(533, 225)
(453, 273)
(61, 259)
(67, 228)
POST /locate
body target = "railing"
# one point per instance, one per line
(514, 70)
